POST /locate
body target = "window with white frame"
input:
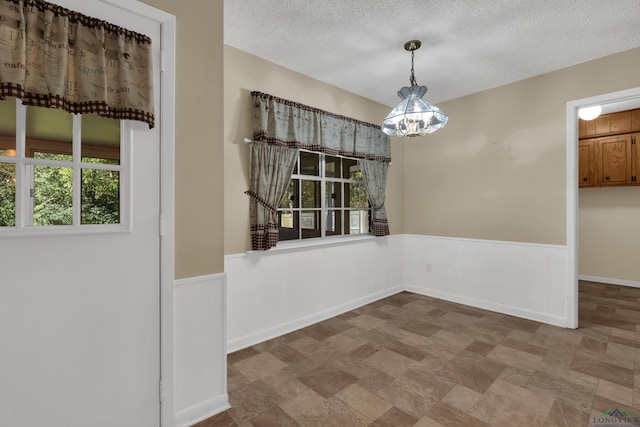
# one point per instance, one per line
(61, 171)
(325, 197)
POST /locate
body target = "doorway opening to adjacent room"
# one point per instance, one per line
(615, 101)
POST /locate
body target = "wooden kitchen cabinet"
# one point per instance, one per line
(608, 153)
(613, 160)
(635, 159)
(622, 122)
(609, 161)
(586, 163)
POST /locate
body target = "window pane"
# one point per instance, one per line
(100, 139)
(100, 197)
(332, 167)
(334, 222)
(49, 131)
(310, 224)
(289, 222)
(356, 196)
(290, 198)
(309, 164)
(52, 195)
(358, 221)
(7, 195)
(350, 169)
(310, 194)
(8, 127)
(333, 194)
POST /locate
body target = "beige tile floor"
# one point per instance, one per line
(411, 360)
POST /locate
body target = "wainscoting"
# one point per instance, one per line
(276, 292)
(200, 348)
(521, 279)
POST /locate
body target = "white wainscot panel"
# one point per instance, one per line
(521, 279)
(200, 348)
(278, 291)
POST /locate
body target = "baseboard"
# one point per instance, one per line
(202, 411)
(285, 328)
(609, 281)
(488, 305)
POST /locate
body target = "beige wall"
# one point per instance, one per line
(244, 73)
(199, 185)
(497, 171)
(609, 230)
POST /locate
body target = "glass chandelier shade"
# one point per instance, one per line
(414, 116)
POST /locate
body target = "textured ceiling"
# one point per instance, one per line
(467, 45)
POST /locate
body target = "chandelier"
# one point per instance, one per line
(414, 116)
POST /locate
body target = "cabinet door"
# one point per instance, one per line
(586, 163)
(635, 159)
(620, 122)
(613, 159)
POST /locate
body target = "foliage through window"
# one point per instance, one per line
(325, 197)
(59, 169)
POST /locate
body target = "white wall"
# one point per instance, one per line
(521, 279)
(200, 348)
(281, 290)
(276, 292)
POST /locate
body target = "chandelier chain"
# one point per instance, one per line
(412, 79)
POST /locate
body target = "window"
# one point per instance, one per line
(60, 171)
(325, 197)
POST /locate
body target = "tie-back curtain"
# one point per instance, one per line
(374, 177)
(282, 122)
(53, 57)
(271, 167)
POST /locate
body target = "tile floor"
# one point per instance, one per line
(411, 360)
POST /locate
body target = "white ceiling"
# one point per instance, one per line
(467, 45)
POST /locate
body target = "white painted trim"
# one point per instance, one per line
(200, 279)
(294, 245)
(572, 193)
(287, 327)
(488, 305)
(167, 209)
(141, 9)
(213, 403)
(166, 123)
(571, 288)
(610, 281)
(202, 411)
(493, 242)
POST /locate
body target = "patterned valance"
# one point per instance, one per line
(53, 57)
(282, 122)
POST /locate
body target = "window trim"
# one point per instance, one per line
(22, 202)
(323, 239)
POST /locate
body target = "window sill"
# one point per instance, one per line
(316, 242)
(63, 230)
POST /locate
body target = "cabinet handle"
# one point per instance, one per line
(606, 178)
(584, 179)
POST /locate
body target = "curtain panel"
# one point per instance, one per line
(56, 58)
(282, 122)
(374, 177)
(271, 167)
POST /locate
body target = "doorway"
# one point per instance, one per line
(620, 100)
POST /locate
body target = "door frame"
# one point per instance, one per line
(571, 283)
(166, 124)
